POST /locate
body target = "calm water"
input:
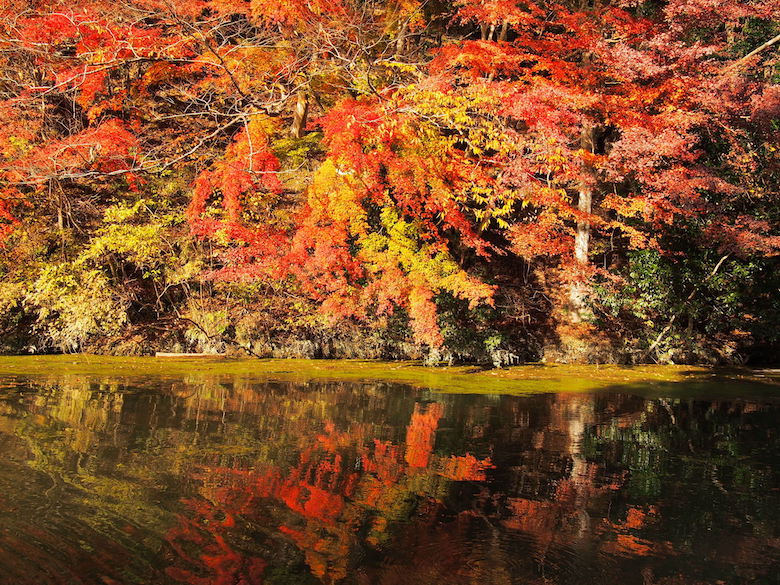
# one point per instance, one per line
(228, 482)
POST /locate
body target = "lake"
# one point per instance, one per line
(190, 475)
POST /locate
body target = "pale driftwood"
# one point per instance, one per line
(162, 354)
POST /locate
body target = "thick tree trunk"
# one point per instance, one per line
(300, 115)
(582, 237)
(578, 292)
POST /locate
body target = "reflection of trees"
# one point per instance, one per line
(343, 494)
(569, 501)
(225, 480)
(713, 464)
(203, 554)
(331, 469)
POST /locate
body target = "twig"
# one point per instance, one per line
(756, 51)
(219, 337)
(688, 300)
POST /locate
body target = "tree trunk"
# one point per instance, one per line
(504, 31)
(582, 237)
(400, 42)
(300, 115)
(578, 293)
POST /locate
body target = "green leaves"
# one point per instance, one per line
(74, 304)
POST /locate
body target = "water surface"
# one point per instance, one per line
(234, 480)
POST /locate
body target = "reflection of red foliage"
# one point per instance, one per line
(216, 563)
(420, 434)
(627, 542)
(632, 545)
(384, 462)
(466, 468)
(637, 518)
(561, 519)
(532, 516)
(330, 498)
(311, 501)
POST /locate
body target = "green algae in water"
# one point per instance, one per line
(532, 378)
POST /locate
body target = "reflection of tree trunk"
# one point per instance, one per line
(300, 115)
(577, 413)
(582, 236)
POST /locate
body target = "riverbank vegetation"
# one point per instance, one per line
(485, 181)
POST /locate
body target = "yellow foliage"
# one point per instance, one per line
(333, 195)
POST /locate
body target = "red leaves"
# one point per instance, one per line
(249, 168)
(432, 168)
(744, 236)
(48, 29)
(765, 107)
(541, 236)
(423, 312)
(713, 13)
(358, 264)
(496, 12)
(92, 36)
(105, 149)
(477, 59)
(348, 127)
(295, 13)
(548, 108)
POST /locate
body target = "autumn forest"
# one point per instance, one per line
(450, 180)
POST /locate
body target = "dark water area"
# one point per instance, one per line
(240, 482)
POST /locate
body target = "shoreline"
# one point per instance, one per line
(529, 378)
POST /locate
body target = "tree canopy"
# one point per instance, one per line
(534, 172)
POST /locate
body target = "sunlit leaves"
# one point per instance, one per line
(377, 157)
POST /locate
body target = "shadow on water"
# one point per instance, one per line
(211, 478)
